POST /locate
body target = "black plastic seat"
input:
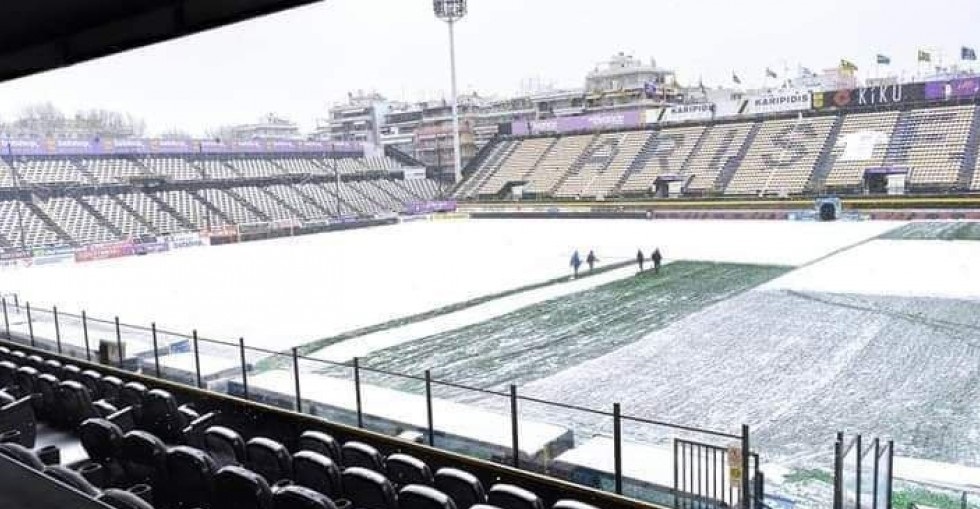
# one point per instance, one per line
(132, 395)
(101, 439)
(120, 499)
(572, 504)
(143, 457)
(4, 353)
(403, 470)
(320, 442)
(368, 489)
(461, 486)
(52, 367)
(46, 404)
(298, 497)
(92, 380)
(18, 357)
(191, 472)
(317, 472)
(417, 496)
(71, 372)
(75, 403)
(268, 458)
(22, 455)
(239, 488)
(104, 409)
(225, 445)
(508, 496)
(109, 388)
(35, 361)
(359, 454)
(7, 370)
(73, 479)
(19, 416)
(161, 415)
(24, 379)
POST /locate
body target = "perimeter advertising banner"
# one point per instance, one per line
(104, 251)
(865, 97)
(429, 207)
(963, 88)
(689, 112)
(596, 122)
(778, 101)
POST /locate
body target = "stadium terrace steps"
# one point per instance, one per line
(212, 209)
(637, 164)
(967, 175)
(379, 187)
(60, 233)
(135, 214)
(283, 203)
(318, 206)
(732, 165)
(103, 221)
(80, 168)
(595, 143)
(487, 163)
(165, 207)
(825, 160)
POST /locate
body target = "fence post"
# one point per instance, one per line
(299, 399)
(119, 342)
(197, 360)
(858, 473)
(57, 328)
(6, 319)
(746, 451)
(891, 474)
(357, 391)
(838, 485)
(30, 324)
(514, 436)
(428, 406)
(241, 350)
(17, 303)
(618, 448)
(88, 351)
(156, 348)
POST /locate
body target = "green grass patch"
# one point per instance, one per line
(908, 498)
(939, 230)
(801, 476)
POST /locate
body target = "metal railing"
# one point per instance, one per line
(359, 395)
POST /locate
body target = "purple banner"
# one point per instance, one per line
(152, 146)
(886, 170)
(104, 252)
(596, 122)
(429, 207)
(963, 88)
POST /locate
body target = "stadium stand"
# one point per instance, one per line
(151, 210)
(48, 171)
(499, 153)
(254, 167)
(604, 165)
(35, 232)
(78, 222)
(848, 163)
(115, 212)
(720, 147)
(932, 143)
(174, 168)
(110, 170)
(666, 155)
(135, 442)
(523, 161)
(567, 156)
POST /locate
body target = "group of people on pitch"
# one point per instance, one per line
(592, 259)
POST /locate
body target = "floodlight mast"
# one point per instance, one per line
(452, 11)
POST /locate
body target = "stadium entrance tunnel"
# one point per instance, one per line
(828, 212)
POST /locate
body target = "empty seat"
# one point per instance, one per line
(91, 379)
(104, 409)
(73, 479)
(35, 361)
(572, 504)
(22, 455)
(508, 496)
(24, 379)
(238, 488)
(120, 499)
(268, 458)
(161, 415)
(461, 486)
(132, 394)
(192, 471)
(298, 497)
(18, 418)
(225, 445)
(101, 439)
(322, 443)
(7, 370)
(75, 403)
(359, 454)
(417, 496)
(368, 489)
(52, 367)
(109, 388)
(404, 470)
(144, 458)
(71, 372)
(317, 472)
(46, 387)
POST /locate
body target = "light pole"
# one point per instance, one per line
(452, 11)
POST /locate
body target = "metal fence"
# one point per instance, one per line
(862, 473)
(592, 446)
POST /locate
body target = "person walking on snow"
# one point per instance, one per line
(640, 258)
(591, 260)
(576, 262)
(656, 257)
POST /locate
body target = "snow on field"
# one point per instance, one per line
(924, 268)
(286, 292)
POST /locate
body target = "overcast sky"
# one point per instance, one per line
(299, 62)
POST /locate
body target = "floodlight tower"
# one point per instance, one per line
(452, 11)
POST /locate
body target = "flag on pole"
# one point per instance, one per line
(702, 87)
(967, 53)
(807, 73)
(770, 73)
(650, 88)
(924, 56)
(736, 79)
(883, 59)
(848, 66)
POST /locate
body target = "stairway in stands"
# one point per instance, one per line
(50, 223)
(731, 166)
(576, 166)
(247, 204)
(900, 142)
(83, 170)
(4, 243)
(493, 162)
(825, 161)
(103, 221)
(642, 157)
(327, 212)
(215, 211)
(164, 206)
(139, 217)
(694, 151)
(965, 178)
(284, 204)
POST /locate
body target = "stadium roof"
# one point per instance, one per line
(38, 35)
